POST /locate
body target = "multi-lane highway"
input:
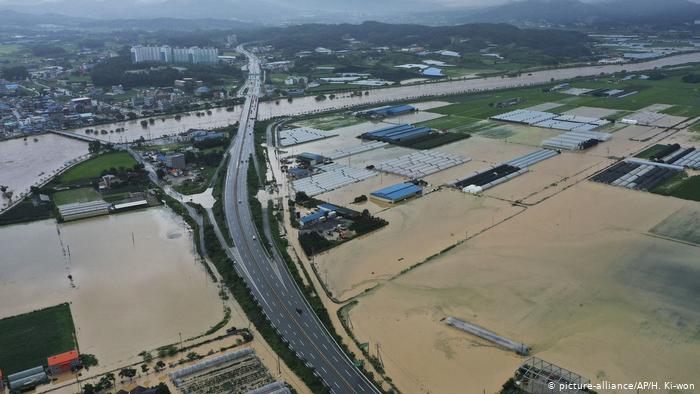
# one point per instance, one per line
(267, 277)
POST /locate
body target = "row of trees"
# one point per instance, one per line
(15, 73)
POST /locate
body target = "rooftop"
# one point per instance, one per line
(63, 358)
(398, 191)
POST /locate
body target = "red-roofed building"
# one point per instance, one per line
(63, 362)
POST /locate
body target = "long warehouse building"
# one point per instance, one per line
(397, 193)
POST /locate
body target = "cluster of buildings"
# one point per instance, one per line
(55, 365)
(170, 55)
(20, 114)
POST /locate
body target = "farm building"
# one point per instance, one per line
(383, 112)
(175, 160)
(63, 362)
(327, 210)
(311, 159)
(83, 210)
(397, 193)
(130, 204)
(395, 134)
(28, 379)
(301, 135)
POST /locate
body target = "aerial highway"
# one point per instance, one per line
(267, 276)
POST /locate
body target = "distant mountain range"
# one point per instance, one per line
(575, 12)
(10, 19)
(241, 14)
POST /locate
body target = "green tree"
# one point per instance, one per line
(146, 356)
(127, 373)
(94, 147)
(15, 73)
(88, 360)
(162, 388)
(144, 368)
(160, 365)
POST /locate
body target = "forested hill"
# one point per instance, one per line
(558, 44)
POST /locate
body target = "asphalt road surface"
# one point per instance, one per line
(268, 278)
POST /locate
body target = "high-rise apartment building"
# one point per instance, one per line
(166, 54)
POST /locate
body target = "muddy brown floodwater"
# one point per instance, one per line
(303, 105)
(23, 163)
(137, 283)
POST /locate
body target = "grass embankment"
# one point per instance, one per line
(27, 340)
(218, 208)
(93, 168)
(26, 211)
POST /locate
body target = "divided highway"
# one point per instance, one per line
(268, 278)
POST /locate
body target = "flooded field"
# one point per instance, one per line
(584, 284)
(164, 125)
(137, 283)
(417, 230)
(24, 163)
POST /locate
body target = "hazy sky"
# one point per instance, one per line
(243, 9)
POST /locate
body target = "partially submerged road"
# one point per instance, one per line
(267, 276)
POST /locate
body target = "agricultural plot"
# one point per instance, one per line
(681, 186)
(301, 135)
(28, 339)
(94, 167)
(478, 106)
(332, 176)
(83, 194)
(420, 164)
(681, 96)
(683, 225)
(329, 122)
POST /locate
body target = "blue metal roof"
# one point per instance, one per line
(391, 110)
(433, 72)
(387, 130)
(312, 217)
(398, 191)
(328, 207)
(397, 133)
(400, 108)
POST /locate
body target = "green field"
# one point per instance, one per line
(684, 98)
(83, 194)
(93, 168)
(651, 151)
(681, 186)
(476, 106)
(8, 49)
(329, 122)
(27, 340)
(25, 211)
